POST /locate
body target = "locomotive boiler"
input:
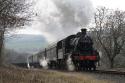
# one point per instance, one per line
(78, 47)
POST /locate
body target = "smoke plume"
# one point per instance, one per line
(59, 18)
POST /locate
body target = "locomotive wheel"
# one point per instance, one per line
(75, 65)
(58, 64)
(83, 68)
(89, 68)
(94, 66)
(53, 64)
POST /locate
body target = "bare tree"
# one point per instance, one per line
(13, 14)
(109, 31)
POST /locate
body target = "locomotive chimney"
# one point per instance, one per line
(83, 30)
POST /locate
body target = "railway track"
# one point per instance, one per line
(113, 72)
(110, 72)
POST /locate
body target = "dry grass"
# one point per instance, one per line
(13, 75)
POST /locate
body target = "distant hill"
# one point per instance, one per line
(26, 43)
(11, 56)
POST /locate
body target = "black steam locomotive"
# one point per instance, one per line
(78, 47)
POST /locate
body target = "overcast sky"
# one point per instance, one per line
(113, 4)
(59, 18)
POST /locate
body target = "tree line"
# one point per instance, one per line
(109, 32)
(13, 14)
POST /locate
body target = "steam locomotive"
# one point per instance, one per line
(78, 47)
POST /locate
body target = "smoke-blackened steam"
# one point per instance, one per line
(60, 18)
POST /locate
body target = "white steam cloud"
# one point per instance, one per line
(70, 64)
(44, 63)
(59, 18)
